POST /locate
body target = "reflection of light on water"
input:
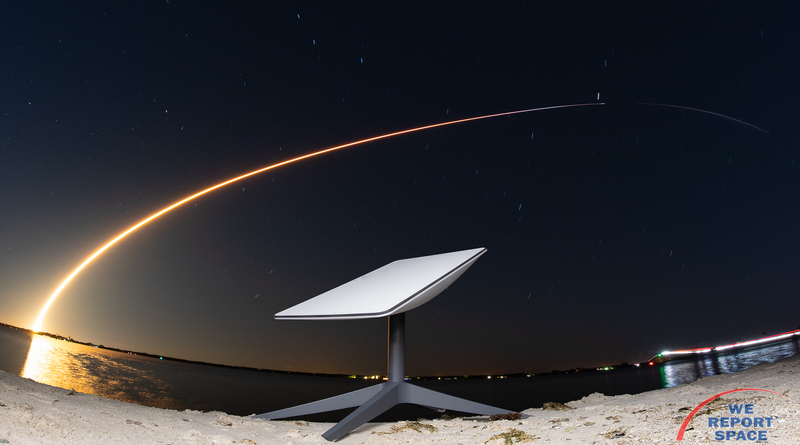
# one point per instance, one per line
(688, 371)
(685, 371)
(104, 373)
(59, 363)
(42, 361)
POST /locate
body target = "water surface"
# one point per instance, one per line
(179, 385)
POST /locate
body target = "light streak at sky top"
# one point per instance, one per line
(37, 326)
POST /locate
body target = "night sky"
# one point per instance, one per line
(613, 232)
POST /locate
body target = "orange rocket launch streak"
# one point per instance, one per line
(37, 326)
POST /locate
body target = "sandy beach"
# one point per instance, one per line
(33, 413)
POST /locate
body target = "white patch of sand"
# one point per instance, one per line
(33, 413)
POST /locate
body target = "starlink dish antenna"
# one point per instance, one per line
(389, 291)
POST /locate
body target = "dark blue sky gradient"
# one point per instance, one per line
(613, 232)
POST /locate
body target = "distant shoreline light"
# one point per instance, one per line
(768, 339)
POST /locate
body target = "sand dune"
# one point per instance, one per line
(33, 413)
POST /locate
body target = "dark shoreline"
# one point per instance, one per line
(319, 374)
(651, 362)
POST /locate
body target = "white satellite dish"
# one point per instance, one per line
(394, 288)
(388, 291)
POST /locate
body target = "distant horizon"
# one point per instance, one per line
(357, 375)
(57, 336)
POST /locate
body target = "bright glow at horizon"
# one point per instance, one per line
(37, 326)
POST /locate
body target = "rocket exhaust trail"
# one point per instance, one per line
(37, 326)
(707, 112)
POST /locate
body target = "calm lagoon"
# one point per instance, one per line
(179, 385)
